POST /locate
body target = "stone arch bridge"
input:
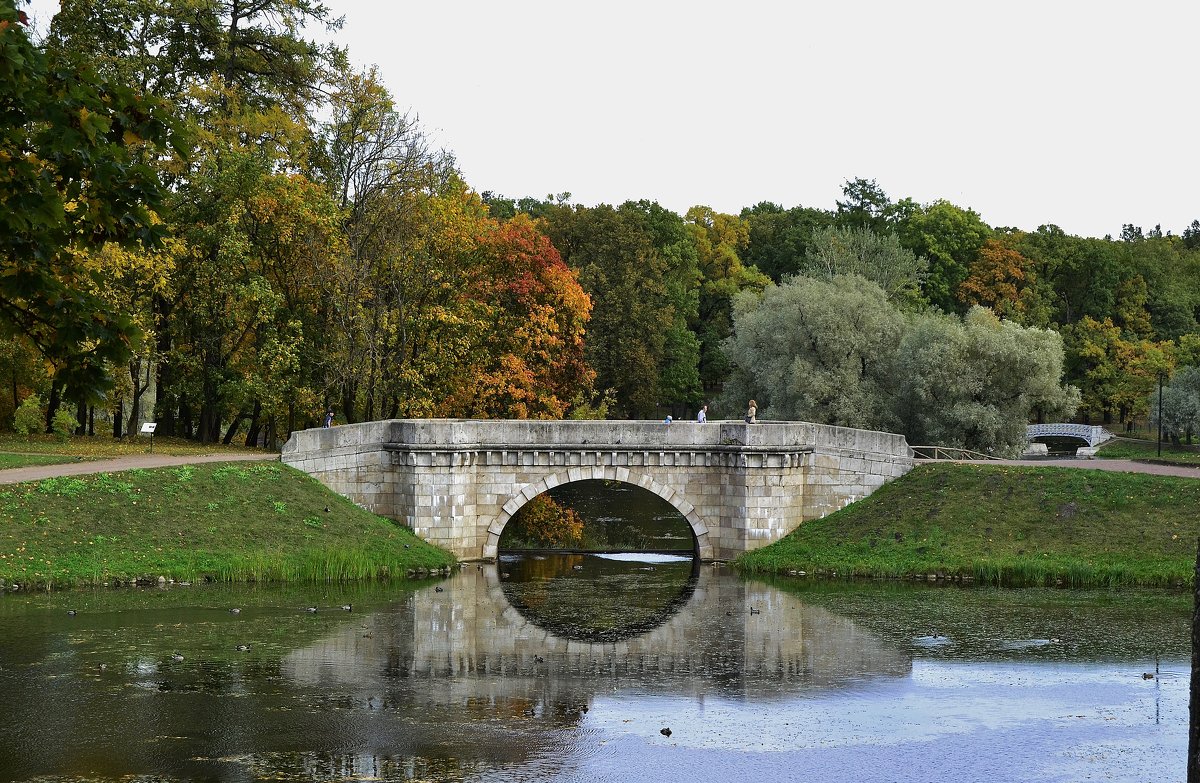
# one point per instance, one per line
(1090, 434)
(457, 482)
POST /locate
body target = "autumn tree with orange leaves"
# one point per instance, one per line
(996, 279)
(528, 361)
(543, 522)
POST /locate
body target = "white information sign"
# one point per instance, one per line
(148, 428)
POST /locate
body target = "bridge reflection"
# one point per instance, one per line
(470, 642)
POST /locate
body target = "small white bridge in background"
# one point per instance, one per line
(1093, 435)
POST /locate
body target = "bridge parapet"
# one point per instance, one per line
(458, 482)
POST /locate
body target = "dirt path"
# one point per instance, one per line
(38, 472)
(1118, 465)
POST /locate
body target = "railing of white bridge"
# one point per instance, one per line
(949, 453)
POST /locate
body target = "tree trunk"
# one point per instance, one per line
(347, 404)
(185, 415)
(233, 428)
(139, 388)
(52, 405)
(255, 425)
(165, 405)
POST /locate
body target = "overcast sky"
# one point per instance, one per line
(1075, 113)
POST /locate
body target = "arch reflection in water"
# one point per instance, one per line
(598, 598)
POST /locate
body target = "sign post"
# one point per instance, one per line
(148, 429)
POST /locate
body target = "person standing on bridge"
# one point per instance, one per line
(328, 418)
(752, 413)
(702, 416)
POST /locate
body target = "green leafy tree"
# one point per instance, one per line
(838, 352)
(70, 142)
(1078, 277)
(1180, 405)
(779, 239)
(1171, 280)
(680, 384)
(625, 275)
(29, 418)
(862, 252)
(815, 350)
(950, 237)
(1115, 372)
(864, 205)
(975, 382)
(719, 240)
(1187, 352)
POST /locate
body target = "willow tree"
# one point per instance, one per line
(976, 381)
(838, 352)
(815, 350)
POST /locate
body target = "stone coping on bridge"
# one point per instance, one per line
(599, 435)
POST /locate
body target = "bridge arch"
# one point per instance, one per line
(700, 531)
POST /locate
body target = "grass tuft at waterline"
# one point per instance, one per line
(228, 522)
(1005, 525)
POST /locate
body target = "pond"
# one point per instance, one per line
(594, 668)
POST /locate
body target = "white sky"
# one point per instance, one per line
(1075, 113)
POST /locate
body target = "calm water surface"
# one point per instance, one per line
(568, 668)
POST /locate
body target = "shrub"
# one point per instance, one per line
(63, 425)
(543, 522)
(28, 418)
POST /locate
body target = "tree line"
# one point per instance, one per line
(202, 200)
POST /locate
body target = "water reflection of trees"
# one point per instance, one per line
(590, 599)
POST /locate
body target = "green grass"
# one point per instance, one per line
(100, 446)
(8, 460)
(231, 522)
(1125, 448)
(1005, 525)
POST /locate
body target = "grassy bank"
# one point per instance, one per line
(1005, 525)
(1147, 451)
(222, 522)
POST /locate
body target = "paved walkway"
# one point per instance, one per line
(1118, 465)
(39, 472)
